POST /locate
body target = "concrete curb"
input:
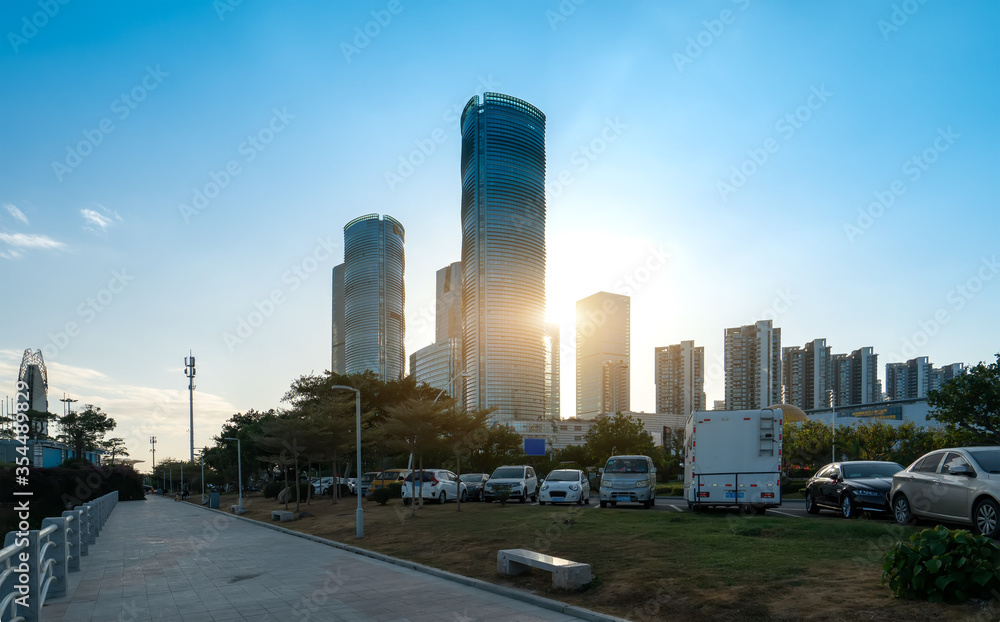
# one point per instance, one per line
(532, 599)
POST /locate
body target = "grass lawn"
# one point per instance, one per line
(649, 565)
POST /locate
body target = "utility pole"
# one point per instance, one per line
(189, 371)
(152, 441)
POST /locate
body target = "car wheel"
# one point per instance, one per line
(604, 503)
(580, 500)
(986, 518)
(540, 502)
(443, 497)
(901, 510)
(811, 506)
(645, 504)
(614, 504)
(406, 502)
(465, 496)
(524, 498)
(652, 501)
(847, 509)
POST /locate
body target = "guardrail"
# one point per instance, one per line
(34, 564)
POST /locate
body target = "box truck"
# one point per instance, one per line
(733, 458)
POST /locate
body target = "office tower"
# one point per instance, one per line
(941, 375)
(603, 337)
(448, 324)
(753, 366)
(374, 327)
(805, 375)
(552, 377)
(35, 393)
(679, 374)
(909, 380)
(338, 363)
(438, 365)
(503, 257)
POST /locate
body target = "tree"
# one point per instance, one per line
(970, 404)
(85, 430)
(502, 446)
(806, 446)
(31, 424)
(464, 432)
(621, 434)
(285, 437)
(116, 447)
(415, 425)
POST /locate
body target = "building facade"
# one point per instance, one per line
(338, 362)
(552, 376)
(603, 342)
(438, 365)
(941, 375)
(35, 379)
(448, 311)
(503, 257)
(374, 295)
(865, 386)
(679, 374)
(753, 366)
(806, 375)
(909, 380)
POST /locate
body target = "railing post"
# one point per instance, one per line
(95, 521)
(86, 532)
(33, 612)
(10, 584)
(73, 538)
(60, 553)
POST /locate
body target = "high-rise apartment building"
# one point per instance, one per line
(438, 365)
(552, 378)
(805, 375)
(840, 379)
(374, 327)
(753, 366)
(448, 291)
(679, 374)
(853, 378)
(603, 338)
(503, 257)
(908, 380)
(941, 375)
(338, 363)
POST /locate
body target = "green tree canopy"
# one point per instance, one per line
(85, 430)
(970, 404)
(620, 434)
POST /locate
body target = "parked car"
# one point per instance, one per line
(519, 482)
(628, 479)
(438, 484)
(851, 487)
(366, 481)
(386, 477)
(958, 485)
(565, 486)
(321, 485)
(352, 485)
(475, 483)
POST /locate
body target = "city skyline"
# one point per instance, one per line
(159, 198)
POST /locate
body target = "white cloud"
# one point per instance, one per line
(99, 221)
(31, 240)
(16, 213)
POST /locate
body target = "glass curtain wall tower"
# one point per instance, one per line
(374, 327)
(503, 257)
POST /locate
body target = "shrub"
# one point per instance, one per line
(395, 490)
(273, 489)
(381, 495)
(943, 565)
(502, 496)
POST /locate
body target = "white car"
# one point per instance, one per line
(517, 482)
(438, 484)
(321, 485)
(565, 486)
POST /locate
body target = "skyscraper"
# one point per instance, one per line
(503, 257)
(448, 310)
(552, 377)
(374, 295)
(753, 366)
(438, 365)
(35, 393)
(941, 375)
(603, 342)
(805, 375)
(338, 362)
(865, 385)
(908, 380)
(679, 374)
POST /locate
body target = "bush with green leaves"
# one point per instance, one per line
(395, 490)
(380, 495)
(943, 565)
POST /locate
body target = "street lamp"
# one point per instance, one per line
(833, 425)
(359, 518)
(239, 467)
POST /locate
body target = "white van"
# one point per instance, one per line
(628, 479)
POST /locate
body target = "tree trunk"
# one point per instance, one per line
(336, 484)
(458, 487)
(297, 487)
(284, 467)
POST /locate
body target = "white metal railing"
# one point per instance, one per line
(34, 563)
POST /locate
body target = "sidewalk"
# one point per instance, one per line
(162, 560)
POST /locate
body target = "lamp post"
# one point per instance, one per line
(833, 426)
(239, 467)
(359, 517)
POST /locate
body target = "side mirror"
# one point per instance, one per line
(961, 469)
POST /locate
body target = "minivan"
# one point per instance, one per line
(628, 479)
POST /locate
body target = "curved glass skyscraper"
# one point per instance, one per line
(373, 296)
(503, 257)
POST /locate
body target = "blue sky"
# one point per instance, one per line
(826, 165)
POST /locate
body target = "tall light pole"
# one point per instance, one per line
(152, 441)
(359, 517)
(189, 371)
(833, 426)
(239, 467)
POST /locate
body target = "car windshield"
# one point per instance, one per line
(626, 465)
(989, 459)
(367, 478)
(563, 476)
(472, 477)
(508, 473)
(861, 471)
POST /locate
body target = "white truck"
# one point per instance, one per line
(733, 458)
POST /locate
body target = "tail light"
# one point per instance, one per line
(767, 495)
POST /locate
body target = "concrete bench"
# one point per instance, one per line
(282, 515)
(566, 574)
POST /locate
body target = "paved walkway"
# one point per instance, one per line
(162, 560)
